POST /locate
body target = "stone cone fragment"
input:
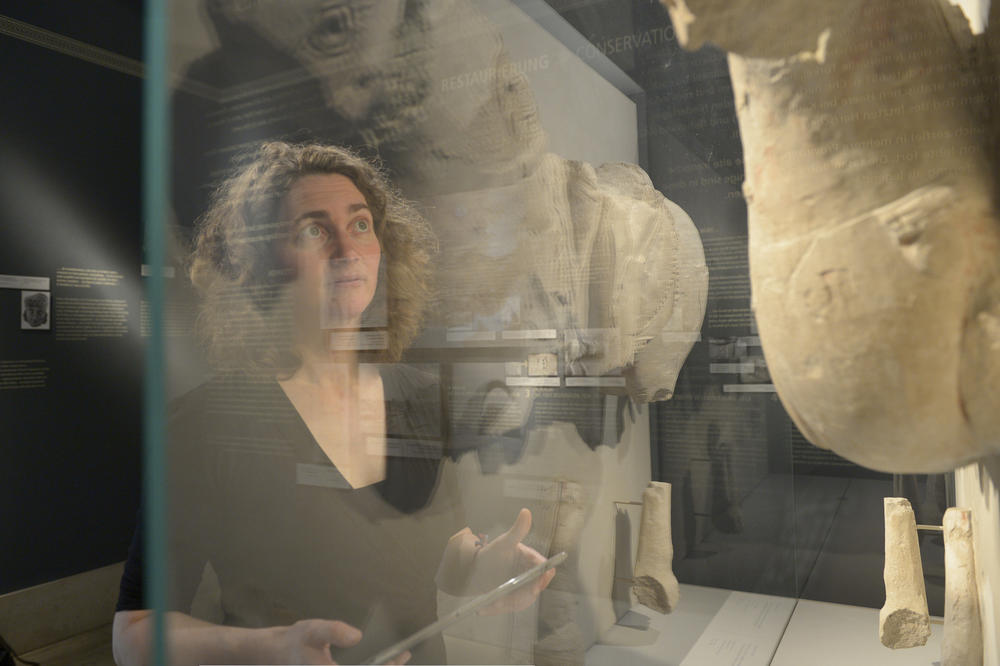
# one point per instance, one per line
(903, 621)
(655, 584)
(962, 644)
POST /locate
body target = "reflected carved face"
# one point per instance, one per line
(346, 44)
(333, 249)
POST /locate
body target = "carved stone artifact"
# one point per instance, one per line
(962, 644)
(655, 584)
(597, 254)
(528, 239)
(870, 136)
(904, 620)
(560, 642)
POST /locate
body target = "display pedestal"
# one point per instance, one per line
(716, 627)
(824, 634)
(710, 627)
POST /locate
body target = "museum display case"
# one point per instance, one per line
(548, 331)
(620, 281)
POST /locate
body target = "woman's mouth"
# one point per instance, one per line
(348, 281)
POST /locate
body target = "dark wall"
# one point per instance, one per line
(70, 396)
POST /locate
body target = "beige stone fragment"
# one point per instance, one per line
(962, 644)
(660, 289)
(869, 133)
(597, 254)
(976, 12)
(560, 641)
(904, 620)
(655, 584)
(528, 239)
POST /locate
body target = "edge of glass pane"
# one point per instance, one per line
(155, 186)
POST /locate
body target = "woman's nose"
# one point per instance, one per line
(342, 247)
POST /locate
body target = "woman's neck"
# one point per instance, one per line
(335, 370)
(341, 401)
(321, 358)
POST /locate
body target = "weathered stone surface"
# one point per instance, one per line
(904, 620)
(978, 488)
(527, 238)
(655, 584)
(869, 134)
(560, 641)
(597, 254)
(962, 644)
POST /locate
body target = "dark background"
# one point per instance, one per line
(70, 182)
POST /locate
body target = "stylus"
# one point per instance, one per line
(467, 609)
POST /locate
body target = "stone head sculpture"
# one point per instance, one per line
(36, 309)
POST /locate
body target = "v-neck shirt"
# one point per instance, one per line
(253, 493)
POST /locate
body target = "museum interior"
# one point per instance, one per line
(551, 332)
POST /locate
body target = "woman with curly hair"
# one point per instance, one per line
(300, 476)
(242, 272)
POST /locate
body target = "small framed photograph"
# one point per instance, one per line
(36, 310)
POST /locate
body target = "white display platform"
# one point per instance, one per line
(716, 627)
(711, 627)
(824, 634)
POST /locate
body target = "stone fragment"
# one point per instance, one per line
(962, 644)
(904, 620)
(528, 239)
(655, 584)
(560, 641)
(874, 230)
(597, 254)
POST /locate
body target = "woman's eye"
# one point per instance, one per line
(362, 225)
(311, 234)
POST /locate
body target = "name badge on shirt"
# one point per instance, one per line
(324, 476)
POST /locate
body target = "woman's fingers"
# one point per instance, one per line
(521, 599)
(309, 641)
(519, 530)
(339, 634)
(529, 556)
(344, 635)
(543, 581)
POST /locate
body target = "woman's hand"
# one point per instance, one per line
(468, 567)
(193, 642)
(309, 641)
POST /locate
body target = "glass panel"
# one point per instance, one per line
(370, 387)
(152, 536)
(453, 288)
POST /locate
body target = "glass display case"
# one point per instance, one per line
(440, 294)
(541, 300)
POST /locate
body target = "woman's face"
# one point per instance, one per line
(332, 245)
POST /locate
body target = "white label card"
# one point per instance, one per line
(24, 282)
(745, 632)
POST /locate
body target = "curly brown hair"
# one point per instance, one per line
(246, 313)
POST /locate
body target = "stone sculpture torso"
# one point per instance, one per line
(870, 134)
